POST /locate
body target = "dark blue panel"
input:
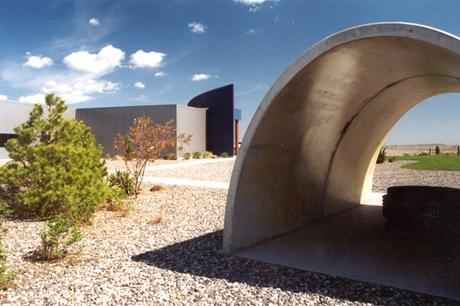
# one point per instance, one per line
(219, 118)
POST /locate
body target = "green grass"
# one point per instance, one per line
(433, 162)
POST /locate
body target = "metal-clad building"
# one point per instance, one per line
(209, 117)
(107, 122)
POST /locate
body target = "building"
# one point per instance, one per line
(210, 118)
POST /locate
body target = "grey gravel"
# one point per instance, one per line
(390, 174)
(220, 171)
(129, 261)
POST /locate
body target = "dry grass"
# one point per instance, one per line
(157, 187)
(124, 207)
(155, 220)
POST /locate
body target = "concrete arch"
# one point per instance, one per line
(309, 150)
(309, 155)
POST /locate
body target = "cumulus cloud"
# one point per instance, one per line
(139, 85)
(32, 99)
(80, 90)
(160, 74)
(142, 59)
(201, 77)
(197, 27)
(3, 98)
(103, 62)
(94, 22)
(72, 93)
(38, 61)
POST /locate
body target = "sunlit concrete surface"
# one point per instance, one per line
(310, 150)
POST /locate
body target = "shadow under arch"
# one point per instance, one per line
(310, 149)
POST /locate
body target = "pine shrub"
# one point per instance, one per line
(56, 169)
(60, 234)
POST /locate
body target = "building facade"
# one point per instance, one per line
(107, 122)
(210, 118)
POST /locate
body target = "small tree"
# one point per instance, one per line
(437, 150)
(183, 140)
(56, 168)
(146, 141)
(382, 156)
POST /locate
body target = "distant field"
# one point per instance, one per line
(433, 162)
(396, 150)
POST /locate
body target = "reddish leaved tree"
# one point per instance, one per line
(146, 141)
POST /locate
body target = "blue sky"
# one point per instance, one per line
(104, 53)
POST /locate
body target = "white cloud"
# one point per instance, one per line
(32, 99)
(142, 59)
(139, 85)
(251, 2)
(94, 22)
(197, 27)
(160, 74)
(3, 98)
(255, 5)
(252, 32)
(80, 90)
(103, 62)
(38, 61)
(201, 77)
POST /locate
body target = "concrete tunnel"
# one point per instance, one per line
(306, 163)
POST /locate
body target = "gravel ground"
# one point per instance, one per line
(216, 171)
(131, 261)
(390, 174)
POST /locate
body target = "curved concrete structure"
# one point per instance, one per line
(310, 149)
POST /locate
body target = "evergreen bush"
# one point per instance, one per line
(60, 234)
(56, 169)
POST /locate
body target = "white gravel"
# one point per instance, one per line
(129, 261)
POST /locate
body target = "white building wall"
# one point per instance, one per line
(192, 121)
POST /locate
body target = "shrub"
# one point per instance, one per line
(5, 276)
(437, 150)
(207, 154)
(145, 142)
(57, 167)
(382, 155)
(224, 155)
(187, 155)
(423, 153)
(107, 156)
(117, 200)
(60, 234)
(197, 155)
(170, 156)
(122, 180)
(392, 159)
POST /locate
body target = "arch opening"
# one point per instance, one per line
(308, 155)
